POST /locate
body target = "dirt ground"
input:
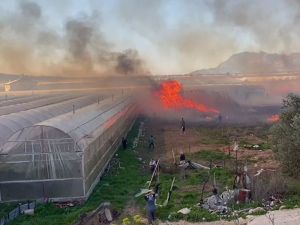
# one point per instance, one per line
(281, 217)
(198, 137)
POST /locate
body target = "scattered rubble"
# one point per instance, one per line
(102, 215)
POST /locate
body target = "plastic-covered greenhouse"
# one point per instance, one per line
(62, 157)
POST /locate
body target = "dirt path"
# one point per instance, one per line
(287, 217)
(281, 217)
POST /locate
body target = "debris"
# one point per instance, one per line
(258, 172)
(257, 210)
(108, 214)
(184, 211)
(272, 202)
(143, 192)
(255, 146)
(101, 215)
(218, 203)
(197, 165)
(169, 193)
(282, 207)
(63, 205)
(29, 212)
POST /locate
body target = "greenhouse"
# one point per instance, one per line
(63, 157)
(13, 122)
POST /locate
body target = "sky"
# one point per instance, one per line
(96, 37)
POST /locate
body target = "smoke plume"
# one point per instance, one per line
(29, 46)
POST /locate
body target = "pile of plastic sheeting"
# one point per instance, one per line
(219, 203)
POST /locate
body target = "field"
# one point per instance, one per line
(202, 143)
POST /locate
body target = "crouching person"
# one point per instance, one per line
(151, 206)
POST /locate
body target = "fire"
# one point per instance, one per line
(273, 118)
(170, 97)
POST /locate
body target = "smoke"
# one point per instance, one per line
(29, 46)
(184, 35)
(203, 34)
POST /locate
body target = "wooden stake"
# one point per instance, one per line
(153, 174)
(174, 160)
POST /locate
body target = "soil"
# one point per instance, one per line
(169, 140)
(168, 137)
(286, 217)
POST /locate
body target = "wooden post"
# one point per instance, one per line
(153, 174)
(174, 160)
(236, 162)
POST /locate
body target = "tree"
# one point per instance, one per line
(286, 135)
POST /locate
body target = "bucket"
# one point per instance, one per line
(244, 195)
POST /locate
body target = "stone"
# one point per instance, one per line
(256, 210)
(282, 207)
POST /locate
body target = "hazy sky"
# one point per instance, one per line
(161, 36)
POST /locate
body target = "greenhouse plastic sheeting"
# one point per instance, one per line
(5, 110)
(9, 124)
(70, 149)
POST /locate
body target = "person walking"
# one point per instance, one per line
(182, 125)
(151, 142)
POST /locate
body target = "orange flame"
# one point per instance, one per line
(170, 97)
(273, 119)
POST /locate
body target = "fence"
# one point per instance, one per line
(17, 212)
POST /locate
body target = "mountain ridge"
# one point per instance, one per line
(255, 62)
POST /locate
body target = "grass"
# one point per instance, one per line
(116, 188)
(213, 135)
(5, 208)
(187, 194)
(211, 155)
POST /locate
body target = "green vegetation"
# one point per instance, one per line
(117, 187)
(292, 201)
(286, 135)
(5, 208)
(211, 155)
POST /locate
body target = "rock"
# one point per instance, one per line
(108, 215)
(256, 210)
(250, 218)
(29, 212)
(282, 207)
(242, 221)
(184, 211)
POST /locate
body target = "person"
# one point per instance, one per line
(152, 165)
(182, 158)
(182, 125)
(151, 142)
(151, 206)
(124, 143)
